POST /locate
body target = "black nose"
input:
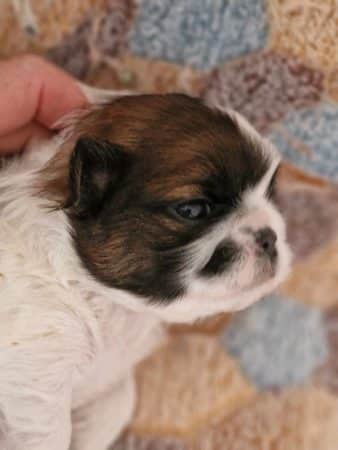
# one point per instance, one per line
(266, 238)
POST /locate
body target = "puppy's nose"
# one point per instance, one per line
(266, 239)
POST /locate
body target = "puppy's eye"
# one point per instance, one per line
(193, 210)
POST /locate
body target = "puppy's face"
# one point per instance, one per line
(173, 203)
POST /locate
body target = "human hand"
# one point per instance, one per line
(34, 94)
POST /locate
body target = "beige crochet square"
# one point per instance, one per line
(307, 29)
(188, 385)
(304, 419)
(27, 25)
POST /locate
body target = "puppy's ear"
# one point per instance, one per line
(96, 167)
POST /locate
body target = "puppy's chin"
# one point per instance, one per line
(268, 275)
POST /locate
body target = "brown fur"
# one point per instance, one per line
(176, 137)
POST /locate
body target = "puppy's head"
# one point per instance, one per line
(172, 202)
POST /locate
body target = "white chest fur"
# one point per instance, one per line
(127, 339)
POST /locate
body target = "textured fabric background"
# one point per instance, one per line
(267, 378)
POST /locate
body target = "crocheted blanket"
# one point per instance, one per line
(266, 378)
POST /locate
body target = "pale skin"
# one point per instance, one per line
(34, 94)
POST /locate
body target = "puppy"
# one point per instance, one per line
(149, 209)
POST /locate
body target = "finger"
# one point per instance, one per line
(17, 140)
(32, 89)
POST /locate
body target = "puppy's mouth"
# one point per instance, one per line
(266, 267)
(262, 256)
